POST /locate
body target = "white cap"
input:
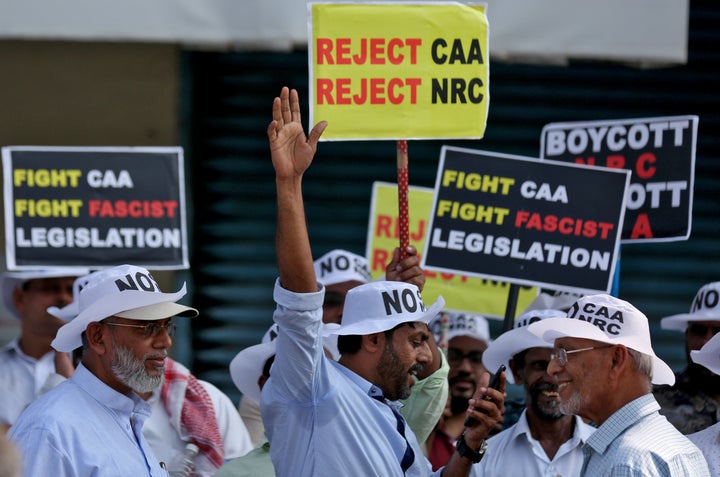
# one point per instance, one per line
(709, 354)
(462, 324)
(517, 340)
(610, 320)
(12, 280)
(339, 266)
(380, 306)
(126, 291)
(705, 307)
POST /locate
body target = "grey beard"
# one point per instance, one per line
(131, 371)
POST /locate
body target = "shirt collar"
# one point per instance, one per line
(369, 388)
(622, 419)
(107, 396)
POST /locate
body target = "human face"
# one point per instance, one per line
(137, 360)
(466, 371)
(698, 333)
(541, 390)
(406, 352)
(335, 300)
(32, 301)
(582, 381)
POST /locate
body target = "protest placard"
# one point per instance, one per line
(94, 207)
(404, 70)
(526, 221)
(461, 292)
(660, 153)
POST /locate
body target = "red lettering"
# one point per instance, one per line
(382, 226)
(643, 169)
(379, 259)
(641, 228)
(343, 51)
(324, 91)
(324, 51)
(616, 161)
(590, 161)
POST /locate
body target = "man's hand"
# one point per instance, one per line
(291, 151)
(407, 270)
(487, 407)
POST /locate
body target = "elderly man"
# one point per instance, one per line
(93, 421)
(544, 441)
(327, 418)
(28, 364)
(693, 403)
(605, 366)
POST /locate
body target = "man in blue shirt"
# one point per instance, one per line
(327, 418)
(604, 366)
(91, 424)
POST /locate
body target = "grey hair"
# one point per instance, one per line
(643, 364)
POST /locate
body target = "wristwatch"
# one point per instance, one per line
(469, 453)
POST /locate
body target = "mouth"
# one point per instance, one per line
(156, 362)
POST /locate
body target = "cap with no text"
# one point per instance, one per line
(606, 319)
(709, 354)
(380, 306)
(126, 291)
(517, 340)
(705, 307)
(339, 266)
(559, 300)
(12, 280)
(247, 366)
(462, 324)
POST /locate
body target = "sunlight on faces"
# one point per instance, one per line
(578, 379)
(136, 373)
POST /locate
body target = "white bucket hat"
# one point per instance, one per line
(461, 324)
(709, 354)
(517, 340)
(610, 320)
(705, 307)
(339, 266)
(247, 366)
(126, 291)
(380, 306)
(12, 280)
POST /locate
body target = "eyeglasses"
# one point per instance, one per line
(151, 329)
(455, 357)
(561, 354)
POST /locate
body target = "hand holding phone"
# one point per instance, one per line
(494, 383)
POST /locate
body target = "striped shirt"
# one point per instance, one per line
(637, 441)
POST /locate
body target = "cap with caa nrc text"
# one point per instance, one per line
(606, 319)
(338, 266)
(126, 291)
(380, 306)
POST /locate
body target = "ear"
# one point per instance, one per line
(620, 359)
(373, 342)
(95, 333)
(516, 372)
(17, 299)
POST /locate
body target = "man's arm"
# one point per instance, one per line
(292, 154)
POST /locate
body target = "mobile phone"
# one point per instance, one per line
(494, 383)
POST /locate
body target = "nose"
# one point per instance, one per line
(425, 354)
(162, 340)
(553, 368)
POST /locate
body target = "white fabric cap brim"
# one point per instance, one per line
(69, 335)
(553, 328)
(708, 355)
(247, 367)
(11, 280)
(508, 345)
(680, 322)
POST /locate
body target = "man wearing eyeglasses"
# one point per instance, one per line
(91, 424)
(604, 366)
(693, 402)
(468, 336)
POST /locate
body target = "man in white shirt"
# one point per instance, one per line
(544, 441)
(28, 364)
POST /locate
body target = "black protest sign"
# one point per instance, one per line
(94, 207)
(526, 221)
(660, 153)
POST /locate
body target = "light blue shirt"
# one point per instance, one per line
(84, 428)
(637, 441)
(319, 416)
(514, 452)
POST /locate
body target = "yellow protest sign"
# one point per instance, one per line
(461, 293)
(399, 70)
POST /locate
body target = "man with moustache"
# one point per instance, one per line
(693, 402)
(91, 424)
(544, 441)
(330, 418)
(467, 337)
(605, 366)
